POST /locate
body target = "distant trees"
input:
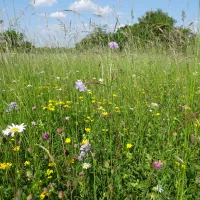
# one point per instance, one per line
(14, 40)
(98, 37)
(153, 28)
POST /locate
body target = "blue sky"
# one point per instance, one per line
(45, 22)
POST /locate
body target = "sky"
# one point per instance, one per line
(65, 22)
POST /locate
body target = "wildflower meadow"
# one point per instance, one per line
(81, 130)
(104, 123)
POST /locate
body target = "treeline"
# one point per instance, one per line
(154, 29)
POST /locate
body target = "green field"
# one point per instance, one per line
(139, 109)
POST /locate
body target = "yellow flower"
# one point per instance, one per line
(89, 92)
(85, 141)
(60, 103)
(114, 95)
(69, 102)
(105, 114)
(67, 106)
(49, 172)
(81, 97)
(183, 166)
(52, 164)
(88, 120)
(70, 161)
(42, 195)
(51, 108)
(5, 165)
(117, 109)
(17, 148)
(67, 140)
(27, 163)
(128, 146)
(88, 130)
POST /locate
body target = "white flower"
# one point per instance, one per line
(86, 165)
(101, 80)
(29, 85)
(67, 118)
(14, 129)
(6, 132)
(58, 78)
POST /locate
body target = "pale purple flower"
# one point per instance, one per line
(45, 136)
(80, 86)
(85, 148)
(12, 106)
(158, 164)
(113, 45)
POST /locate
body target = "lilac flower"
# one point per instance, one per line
(45, 136)
(113, 45)
(158, 164)
(80, 86)
(85, 148)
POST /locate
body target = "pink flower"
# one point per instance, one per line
(157, 164)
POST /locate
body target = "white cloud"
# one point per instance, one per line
(89, 6)
(57, 15)
(37, 3)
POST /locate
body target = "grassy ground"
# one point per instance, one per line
(143, 112)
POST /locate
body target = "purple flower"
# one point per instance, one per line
(113, 45)
(45, 136)
(80, 86)
(158, 164)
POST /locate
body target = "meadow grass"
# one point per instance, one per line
(143, 110)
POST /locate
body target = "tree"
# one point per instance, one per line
(98, 37)
(15, 40)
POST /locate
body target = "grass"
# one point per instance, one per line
(149, 101)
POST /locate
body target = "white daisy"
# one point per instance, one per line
(6, 132)
(86, 165)
(14, 129)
